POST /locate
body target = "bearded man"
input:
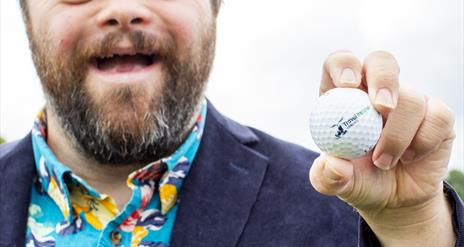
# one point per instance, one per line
(128, 152)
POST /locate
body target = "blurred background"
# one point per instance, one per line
(270, 54)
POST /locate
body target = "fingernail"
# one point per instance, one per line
(384, 98)
(348, 76)
(408, 156)
(384, 161)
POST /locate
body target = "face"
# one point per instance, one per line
(124, 78)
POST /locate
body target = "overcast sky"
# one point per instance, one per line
(270, 54)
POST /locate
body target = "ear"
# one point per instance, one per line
(216, 6)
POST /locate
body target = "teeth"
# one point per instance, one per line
(107, 56)
(125, 52)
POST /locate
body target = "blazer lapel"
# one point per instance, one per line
(222, 186)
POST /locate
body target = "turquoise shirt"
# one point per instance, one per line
(66, 211)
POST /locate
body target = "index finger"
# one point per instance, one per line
(381, 76)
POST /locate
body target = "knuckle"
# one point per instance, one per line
(425, 141)
(411, 101)
(436, 127)
(439, 114)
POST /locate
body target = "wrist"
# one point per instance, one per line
(427, 224)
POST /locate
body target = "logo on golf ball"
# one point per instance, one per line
(344, 126)
(344, 123)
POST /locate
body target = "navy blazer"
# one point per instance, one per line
(245, 188)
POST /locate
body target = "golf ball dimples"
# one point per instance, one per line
(344, 123)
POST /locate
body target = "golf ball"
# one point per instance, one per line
(344, 123)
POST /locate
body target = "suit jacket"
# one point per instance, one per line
(245, 188)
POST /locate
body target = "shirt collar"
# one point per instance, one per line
(54, 176)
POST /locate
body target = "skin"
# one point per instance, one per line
(397, 188)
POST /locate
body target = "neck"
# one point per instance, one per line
(105, 178)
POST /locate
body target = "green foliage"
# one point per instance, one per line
(456, 179)
(2, 140)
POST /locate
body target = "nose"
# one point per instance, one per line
(124, 14)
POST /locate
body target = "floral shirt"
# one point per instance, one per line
(66, 211)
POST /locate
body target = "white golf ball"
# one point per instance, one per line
(344, 123)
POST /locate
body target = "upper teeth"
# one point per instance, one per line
(119, 54)
(108, 56)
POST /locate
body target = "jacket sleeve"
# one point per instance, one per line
(367, 237)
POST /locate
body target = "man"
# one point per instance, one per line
(128, 152)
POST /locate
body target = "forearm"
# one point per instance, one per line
(429, 224)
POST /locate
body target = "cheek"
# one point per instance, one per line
(185, 24)
(63, 31)
(184, 29)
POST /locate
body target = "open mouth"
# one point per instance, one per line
(123, 63)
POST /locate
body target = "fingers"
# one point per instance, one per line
(381, 74)
(414, 126)
(341, 69)
(436, 128)
(331, 176)
(400, 128)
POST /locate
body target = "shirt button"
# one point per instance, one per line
(115, 237)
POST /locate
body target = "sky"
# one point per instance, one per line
(270, 54)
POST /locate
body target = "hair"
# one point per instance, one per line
(215, 5)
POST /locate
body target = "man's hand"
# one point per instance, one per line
(397, 188)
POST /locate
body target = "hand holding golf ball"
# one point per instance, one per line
(390, 168)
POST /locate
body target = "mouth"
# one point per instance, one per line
(124, 61)
(125, 66)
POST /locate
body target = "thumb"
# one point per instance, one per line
(331, 176)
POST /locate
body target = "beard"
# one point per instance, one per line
(125, 125)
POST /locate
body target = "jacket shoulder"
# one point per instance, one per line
(16, 151)
(7, 149)
(17, 169)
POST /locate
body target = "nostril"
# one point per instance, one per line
(137, 20)
(113, 22)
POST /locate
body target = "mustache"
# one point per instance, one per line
(140, 42)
